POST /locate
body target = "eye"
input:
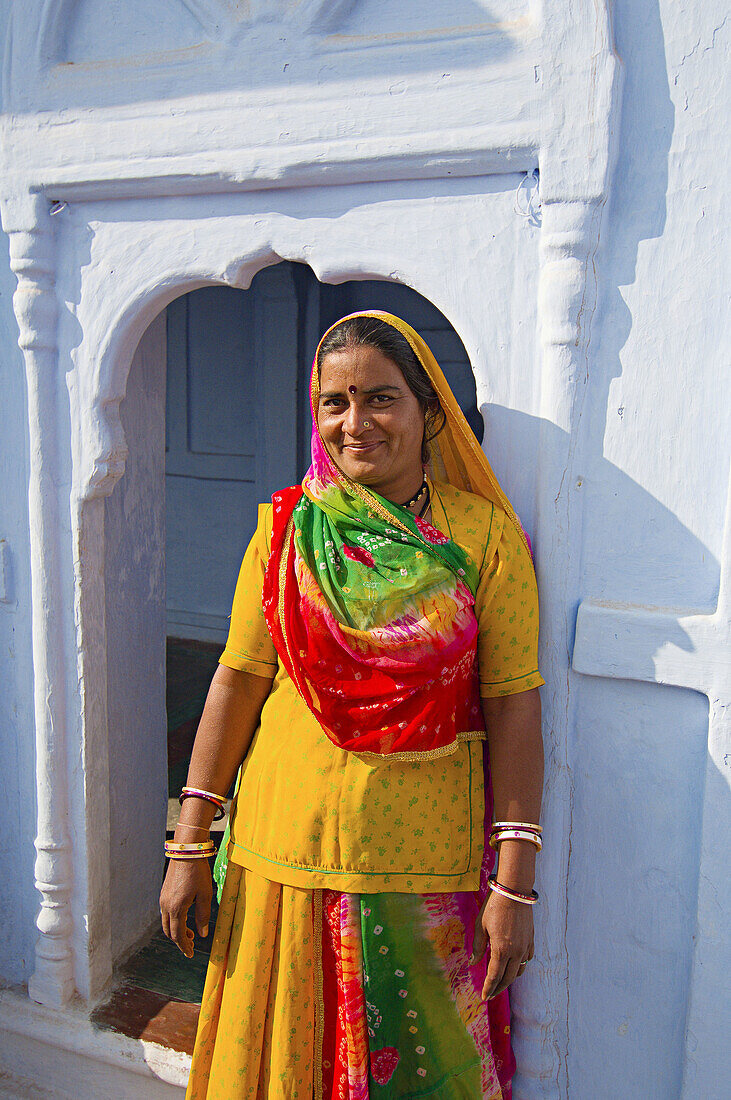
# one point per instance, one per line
(332, 402)
(381, 398)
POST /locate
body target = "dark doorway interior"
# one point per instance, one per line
(190, 668)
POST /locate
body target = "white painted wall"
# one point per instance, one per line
(655, 449)
(17, 782)
(18, 905)
(134, 524)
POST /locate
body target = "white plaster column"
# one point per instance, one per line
(31, 230)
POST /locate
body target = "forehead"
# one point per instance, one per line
(361, 367)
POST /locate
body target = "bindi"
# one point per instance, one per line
(352, 389)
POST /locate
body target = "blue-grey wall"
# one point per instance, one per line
(655, 441)
(18, 899)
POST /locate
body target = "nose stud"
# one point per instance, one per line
(366, 423)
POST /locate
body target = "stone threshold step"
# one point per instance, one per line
(60, 1053)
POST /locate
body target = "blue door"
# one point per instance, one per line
(230, 437)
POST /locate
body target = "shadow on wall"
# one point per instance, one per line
(637, 760)
(511, 431)
(637, 212)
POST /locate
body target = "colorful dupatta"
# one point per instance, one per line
(402, 1007)
(371, 610)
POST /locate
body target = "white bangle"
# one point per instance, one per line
(517, 825)
(515, 834)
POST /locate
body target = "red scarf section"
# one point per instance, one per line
(363, 704)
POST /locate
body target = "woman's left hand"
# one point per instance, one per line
(508, 927)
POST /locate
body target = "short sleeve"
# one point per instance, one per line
(249, 646)
(506, 606)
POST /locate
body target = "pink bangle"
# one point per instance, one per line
(216, 799)
(515, 834)
(514, 895)
(188, 857)
(189, 851)
(197, 846)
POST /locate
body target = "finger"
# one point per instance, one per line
(202, 914)
(509, 975)
(479, 943)
(181, 935)
(479, 937)
(495, 971)
(165, 918)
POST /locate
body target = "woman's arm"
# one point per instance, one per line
(515, 743)
(229, 719)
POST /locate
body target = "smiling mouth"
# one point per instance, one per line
(361, 448)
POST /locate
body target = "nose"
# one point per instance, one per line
(355, 420)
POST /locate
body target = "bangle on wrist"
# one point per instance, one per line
(514, 895)
(217, 800)
(201, 850)
(516, 825)
(512, 833)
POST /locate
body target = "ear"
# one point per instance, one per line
(433, 409)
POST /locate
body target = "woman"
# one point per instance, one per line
(385, 617)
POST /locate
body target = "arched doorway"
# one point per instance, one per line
(222, 375)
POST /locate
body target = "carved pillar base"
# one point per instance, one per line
(52, 982)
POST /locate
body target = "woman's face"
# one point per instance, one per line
(371, 423)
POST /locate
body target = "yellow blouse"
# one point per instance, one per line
(311, 815)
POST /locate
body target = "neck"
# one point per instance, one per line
(404, 490)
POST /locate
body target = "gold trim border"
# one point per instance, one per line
(415, 757)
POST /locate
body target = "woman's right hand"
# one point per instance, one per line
(186, 881)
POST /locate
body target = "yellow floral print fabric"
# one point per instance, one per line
(256, 1031)
(311, 815)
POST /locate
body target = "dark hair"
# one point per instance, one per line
(372, 332)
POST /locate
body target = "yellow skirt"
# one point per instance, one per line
(285, 1014)
(267, 994)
